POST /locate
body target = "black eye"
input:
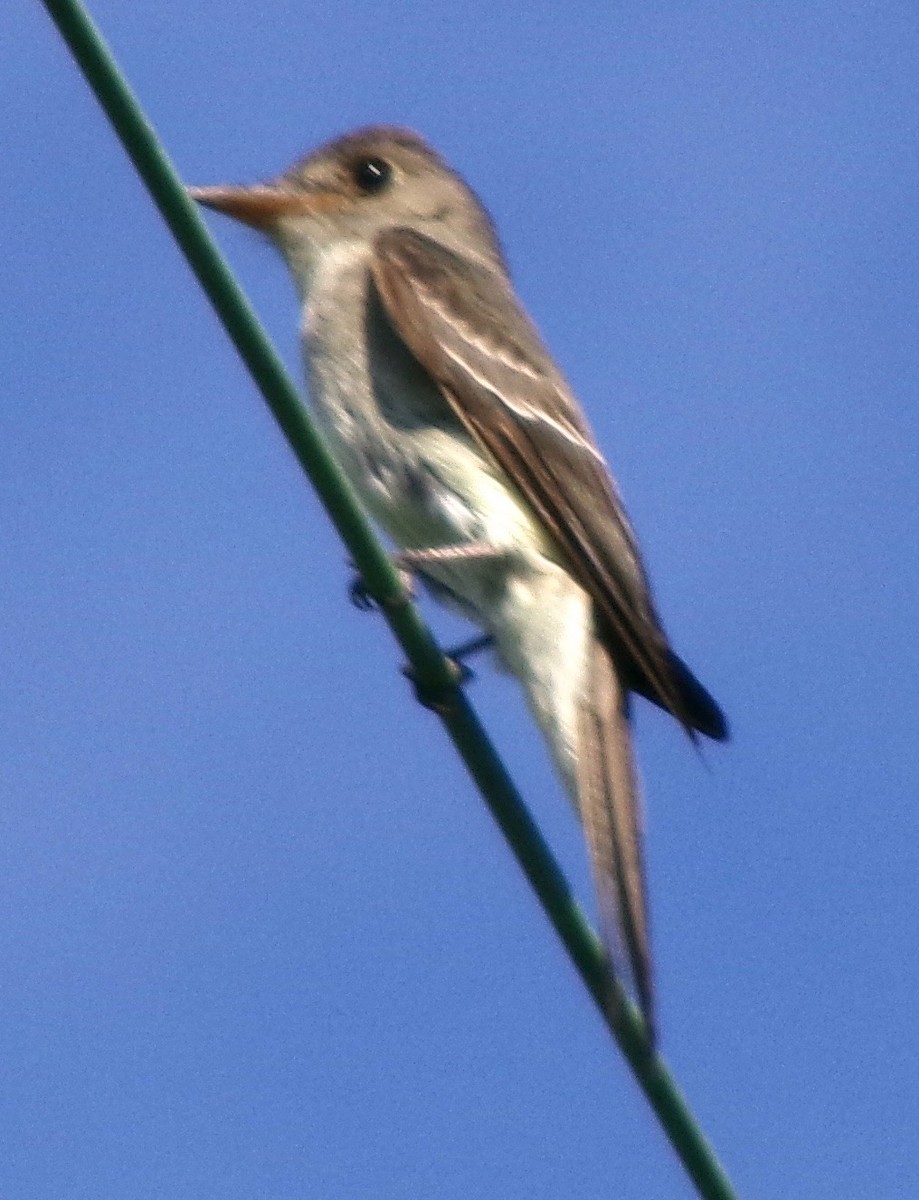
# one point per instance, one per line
(372, 174)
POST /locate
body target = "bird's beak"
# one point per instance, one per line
(262, 205)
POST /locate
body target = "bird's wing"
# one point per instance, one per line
(463, 323)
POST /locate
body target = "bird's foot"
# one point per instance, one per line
(408, 563)
(469, 649)
(366, 600)
(436, 697)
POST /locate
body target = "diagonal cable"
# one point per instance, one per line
(434, 674)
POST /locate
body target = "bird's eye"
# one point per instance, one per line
(372, 175)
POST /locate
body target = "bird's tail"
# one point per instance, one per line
(547, 637)
(610, 808)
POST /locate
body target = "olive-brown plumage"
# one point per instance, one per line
(452, 421)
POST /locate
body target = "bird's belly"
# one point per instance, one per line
(429, 486)
(413, 464)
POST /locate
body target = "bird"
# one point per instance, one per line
(445, 410)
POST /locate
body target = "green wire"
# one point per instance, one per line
(434, 675)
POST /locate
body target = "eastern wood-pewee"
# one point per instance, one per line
(448, 415)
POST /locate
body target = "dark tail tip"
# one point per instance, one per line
(701, 709)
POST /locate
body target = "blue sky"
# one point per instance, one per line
(259, 937)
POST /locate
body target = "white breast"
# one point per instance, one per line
(428, 484)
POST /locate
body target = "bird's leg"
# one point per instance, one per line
(408, 562)
(361, 596)
(432, 555)
(468, 649)
(457, 657)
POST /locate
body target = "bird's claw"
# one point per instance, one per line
(437, 696)
(365, 600)
(361, 596)
(465, 650)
